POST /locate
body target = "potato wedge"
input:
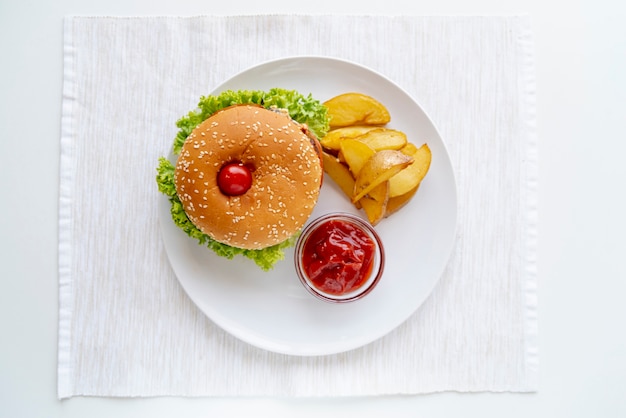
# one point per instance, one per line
(379, 193)
(384, 138)
(374, 165)
(409, 148)
(409, 178)
(355, 153)
(340, 174)
(356, 109)
(396, 203)
(379, 168)
(332, 140)
(375, 203)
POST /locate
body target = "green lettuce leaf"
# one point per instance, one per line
(303, 109)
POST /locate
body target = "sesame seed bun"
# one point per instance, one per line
(286, 176)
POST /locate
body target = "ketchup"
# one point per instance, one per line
(338, 257)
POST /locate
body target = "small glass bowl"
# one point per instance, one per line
(377, 267)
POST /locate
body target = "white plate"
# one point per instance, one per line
(272, 310)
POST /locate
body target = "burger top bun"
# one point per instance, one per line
(283, 165)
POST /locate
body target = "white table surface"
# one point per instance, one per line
(581, 103)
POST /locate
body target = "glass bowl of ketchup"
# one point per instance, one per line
(339, 257)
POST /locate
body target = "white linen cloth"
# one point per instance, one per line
(126, 327)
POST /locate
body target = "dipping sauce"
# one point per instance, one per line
(339, 257)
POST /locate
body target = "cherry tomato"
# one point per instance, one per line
(234, 179)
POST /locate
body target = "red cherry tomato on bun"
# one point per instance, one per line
(234, 179)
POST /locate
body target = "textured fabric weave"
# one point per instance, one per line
(127, 328)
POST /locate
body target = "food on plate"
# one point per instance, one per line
(356, 109)
(339, 257)
(332, 140)
(408, 179)
(355, 154)
(376, 166)
(247, 171)
(396, 203)
(375, 203)
(379, 168)
(248, 177)
(384, 138)
(338, 274)
(339, 172)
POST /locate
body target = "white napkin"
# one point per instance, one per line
(127, 328)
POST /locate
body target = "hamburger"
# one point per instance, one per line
(246, 171)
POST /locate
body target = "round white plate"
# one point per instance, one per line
(272, 310)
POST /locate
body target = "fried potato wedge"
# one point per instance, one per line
(379, 193)
(396, 203)
(375, 203)
(379, 168)
(340, 174)
(409, 178)
(376, 166)
(355, 153)
(332, 140)
(356, 109)
(384, 138)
